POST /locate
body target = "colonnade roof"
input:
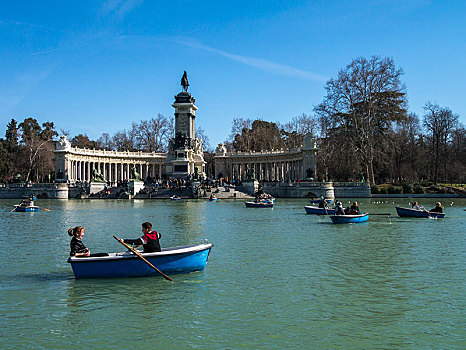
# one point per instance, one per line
(111, 154)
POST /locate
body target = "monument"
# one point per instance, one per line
(185, 154)
(135, 184)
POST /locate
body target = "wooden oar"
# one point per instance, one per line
(46, 209)
(13, 210)
(140, 256)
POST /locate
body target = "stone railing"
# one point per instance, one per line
(263, 153)
(121, 154)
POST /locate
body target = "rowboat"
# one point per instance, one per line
(349, 219)
(260, 204)
(24, 208)
(175, 198)
(319, 211)
(170, 261)
(413, 213)
(214, 199)
(317, 201)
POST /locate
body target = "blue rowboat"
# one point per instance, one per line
(413, 213)
(317, 201)
(213, 199)
(170, 261)
(318, 211)
(349, 219)
(261, 204)
(23, 208)
(175, 198)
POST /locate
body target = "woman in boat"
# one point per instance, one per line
(77, 246)
(149, 240)
(438, 208)
(416, 206)
(354, 209)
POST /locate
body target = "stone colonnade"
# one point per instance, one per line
(265, 170)
(267, 166)
(79, 164)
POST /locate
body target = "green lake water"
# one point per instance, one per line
(276, 278)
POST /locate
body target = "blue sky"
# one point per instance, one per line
(96, 66)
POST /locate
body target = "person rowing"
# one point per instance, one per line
(438, 208)
(150, 239)
(339, 209)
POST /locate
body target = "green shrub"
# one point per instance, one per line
(393, 190)
(383, 190)
(418, 189)
(374, 189)
(407, 188)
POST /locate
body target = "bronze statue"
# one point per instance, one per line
(96, 176)
(134, 174)
(184, 81)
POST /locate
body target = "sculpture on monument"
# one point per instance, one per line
(251, 175)
(134, 174)
(184, 81)
(96, 176)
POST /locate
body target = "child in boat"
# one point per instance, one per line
(438, 208)
(150, 239)
(77, 246)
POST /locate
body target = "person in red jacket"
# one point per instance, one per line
(149, 240)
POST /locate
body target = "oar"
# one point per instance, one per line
(13, 210)
(140, 256)
(46, 209)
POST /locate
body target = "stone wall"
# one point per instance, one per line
(316, 189)
(54, 191)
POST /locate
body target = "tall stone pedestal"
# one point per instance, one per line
(196, 188)
(249, 186)
(95, 187)
(135, 186)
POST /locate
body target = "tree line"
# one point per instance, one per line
(365, 131)
(362, 125)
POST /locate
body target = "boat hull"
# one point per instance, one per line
(258, 205)
(170, 261)
(412, 213)
(318, 211)
(213, 199)
(26, 209)
(349, 219)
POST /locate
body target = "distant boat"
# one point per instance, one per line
(349, 219)
(317, 201)
(25, 208)
(318, 211)
(27, 204)
(170, 261)
(213, 199)
(175, 198)
(413, 213)
(259, 204)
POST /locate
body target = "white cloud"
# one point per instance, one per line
(119, 8)
(255, 62)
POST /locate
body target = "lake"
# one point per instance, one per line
(276, 278)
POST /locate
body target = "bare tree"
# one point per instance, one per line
(440, 123)
(363, 101)
(35, 142)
